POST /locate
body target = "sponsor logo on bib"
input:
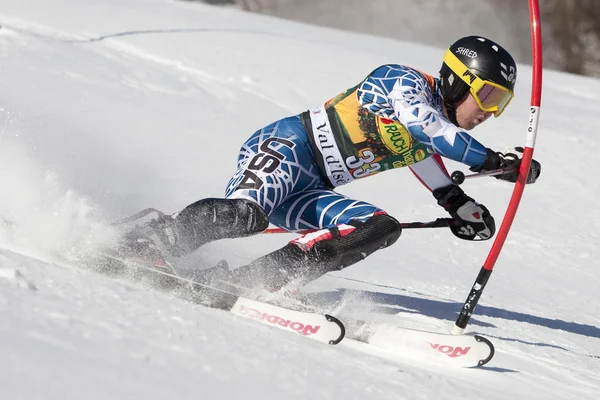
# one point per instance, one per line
(394, 135)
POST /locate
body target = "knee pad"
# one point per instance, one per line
(378, 231)
(366, 237)
(341, 246)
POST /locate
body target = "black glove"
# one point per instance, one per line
(509, 159)
(471, 219)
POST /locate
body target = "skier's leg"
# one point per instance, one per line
(353, 230)
(152, 237)
(274, 163)
(199, 223)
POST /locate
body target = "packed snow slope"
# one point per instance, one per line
(111, 106)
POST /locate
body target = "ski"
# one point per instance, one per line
(457, 350)
(324, 328)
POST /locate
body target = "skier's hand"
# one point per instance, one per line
(510, 159)
(471, 220)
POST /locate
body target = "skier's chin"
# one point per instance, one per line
(467, 126)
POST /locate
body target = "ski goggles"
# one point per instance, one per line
(490, 96)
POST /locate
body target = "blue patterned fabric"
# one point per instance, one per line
(403, 94)
(292, 189)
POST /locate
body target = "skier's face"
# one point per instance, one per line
(468, 113)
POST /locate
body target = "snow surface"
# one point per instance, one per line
(112, 106)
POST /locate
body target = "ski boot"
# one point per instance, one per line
(142, 253)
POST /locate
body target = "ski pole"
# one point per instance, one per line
(458, 177)
(438, 223)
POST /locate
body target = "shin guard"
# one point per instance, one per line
(313, 255)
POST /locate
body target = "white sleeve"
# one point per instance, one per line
(431, 172)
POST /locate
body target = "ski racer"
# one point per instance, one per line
(287, 172)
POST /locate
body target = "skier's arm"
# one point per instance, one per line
(511, 160)
(472, 220)
(402, 93)
(431, 172)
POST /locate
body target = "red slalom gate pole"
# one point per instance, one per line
(536, 95)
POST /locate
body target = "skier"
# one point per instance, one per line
(287, 171)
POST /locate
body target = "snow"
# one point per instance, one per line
(110, 107)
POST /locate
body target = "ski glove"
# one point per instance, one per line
(509, 159)
(472, 221)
